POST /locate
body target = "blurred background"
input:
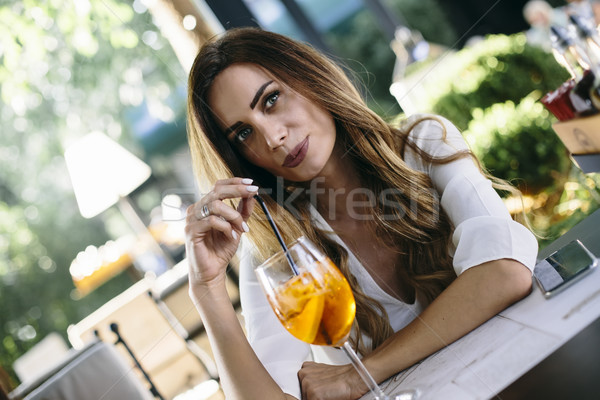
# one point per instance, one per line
(94, 165)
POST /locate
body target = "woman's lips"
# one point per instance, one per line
(297, 154)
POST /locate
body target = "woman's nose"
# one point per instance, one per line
(275, 137)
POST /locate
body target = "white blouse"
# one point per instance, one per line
(484, 231)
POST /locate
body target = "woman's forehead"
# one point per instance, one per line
(242, 71)
(238, 80)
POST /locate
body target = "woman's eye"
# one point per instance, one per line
(272, 99)
(243, 134)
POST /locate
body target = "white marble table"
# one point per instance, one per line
(490, 358)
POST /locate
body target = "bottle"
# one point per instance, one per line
(588, 33)
(570, 55)
(567, 53)
(588, 36)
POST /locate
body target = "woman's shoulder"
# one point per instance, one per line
(430, 126)
(433, 134)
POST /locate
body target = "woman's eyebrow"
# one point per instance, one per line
(259, 93)
(232, 128)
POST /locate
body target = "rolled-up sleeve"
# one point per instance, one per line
(484, 230)
(486, 238)
(280, 353)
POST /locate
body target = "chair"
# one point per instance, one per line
(95, 372)
(115, 329)
(170, 293)
(161, 351)
(41, 358)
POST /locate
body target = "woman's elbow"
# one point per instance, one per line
(517, 280)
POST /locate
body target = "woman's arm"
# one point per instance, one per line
(473, 298)
(213, 231)
(493, 259)
(242, 375)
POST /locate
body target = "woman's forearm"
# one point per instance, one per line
(474, 297)
(241, 373)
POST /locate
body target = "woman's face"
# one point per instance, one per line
(273, 127)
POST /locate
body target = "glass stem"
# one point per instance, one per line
(364, 374)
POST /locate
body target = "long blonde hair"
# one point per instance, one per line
(415, 226)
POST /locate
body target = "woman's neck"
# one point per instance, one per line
(337, 190)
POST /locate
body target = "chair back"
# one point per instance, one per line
(96, 372)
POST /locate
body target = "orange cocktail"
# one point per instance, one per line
(316, 306)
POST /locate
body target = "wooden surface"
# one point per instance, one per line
(489, 359)
(571, 372)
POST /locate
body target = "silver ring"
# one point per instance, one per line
(204, 212)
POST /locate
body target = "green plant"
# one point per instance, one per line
(491, 92)
(64, 71)
(517, 143)
(495, 70)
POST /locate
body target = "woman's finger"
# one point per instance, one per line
(212, 222)
(234, 181)
(232, 189)
(245, 207)
(219, 209)
(230, 214)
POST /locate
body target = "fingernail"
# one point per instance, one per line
(234, 234)
(247, 181)
(252, 188)
(245, 227)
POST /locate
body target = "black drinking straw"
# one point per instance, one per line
(279, 238)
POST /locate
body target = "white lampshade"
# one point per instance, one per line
(101, 172)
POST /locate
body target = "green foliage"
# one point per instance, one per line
(517, 143)
(490, 91)
(498, 69)
(66, 69)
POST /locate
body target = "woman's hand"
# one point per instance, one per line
(213, 230)
(323, 381)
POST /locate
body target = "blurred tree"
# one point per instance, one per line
(363, 47)
(66, 68)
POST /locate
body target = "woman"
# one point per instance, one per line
(427, 245)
